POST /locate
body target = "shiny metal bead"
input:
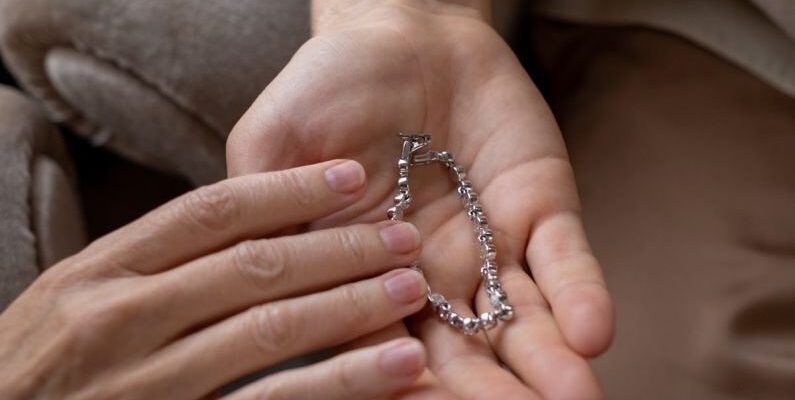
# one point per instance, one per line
(489, 253)
(394, 213)
(493, 285)
(490, 264)
(444, 311)
(488, 320)
(436, 299)
(458, 173)
(505, 312)
(402, 198)
(471, 326)
(485, 235)
(474, 211)
(498, 293)
(456, 320)
(497, 300)
(403, 182)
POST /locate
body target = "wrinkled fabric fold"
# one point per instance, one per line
(40, 219)
(158, 82)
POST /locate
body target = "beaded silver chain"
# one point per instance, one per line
(410, 157)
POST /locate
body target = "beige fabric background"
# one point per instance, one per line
(174, 75)
(40, 219)
(757, 35)
(686, 172)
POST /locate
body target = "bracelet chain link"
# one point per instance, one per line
(502, 311)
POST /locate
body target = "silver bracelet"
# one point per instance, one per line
(409, 157)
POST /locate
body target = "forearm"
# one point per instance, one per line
(328, 13)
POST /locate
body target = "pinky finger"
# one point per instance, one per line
(372, 372)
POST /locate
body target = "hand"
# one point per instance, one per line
(439, 69)
(190, 297)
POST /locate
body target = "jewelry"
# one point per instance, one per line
(502, 311)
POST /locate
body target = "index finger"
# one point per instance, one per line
(216, 216)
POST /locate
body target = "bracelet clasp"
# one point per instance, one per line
(412, 143)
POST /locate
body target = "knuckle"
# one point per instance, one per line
(357, 304)
(352, 245)
(59, 277)
(260, 263)
(81, 326)
(86, 325)
(272, 328)
(211, 207)
(344, 374)
(76, 269)
(293, 183)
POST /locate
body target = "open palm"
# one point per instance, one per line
(348, 93)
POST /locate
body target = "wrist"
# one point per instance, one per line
(336, 15)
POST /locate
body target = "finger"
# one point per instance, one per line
(570, 279)
(215, 216)
(266, 334)
(562, 264)
(465, 364)
(254, 272)
(427, 386)
(373, 372)
(519, 151)
(533, 347)
(561, 261)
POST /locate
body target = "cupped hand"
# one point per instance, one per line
(369, 75)
(191, 297)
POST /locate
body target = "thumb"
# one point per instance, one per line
(261, 140)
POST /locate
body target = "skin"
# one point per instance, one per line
(193, 295)
(376, 68)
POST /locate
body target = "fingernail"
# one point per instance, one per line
(346, 177)
(405, 286)
(403, 359)
(400, 238)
